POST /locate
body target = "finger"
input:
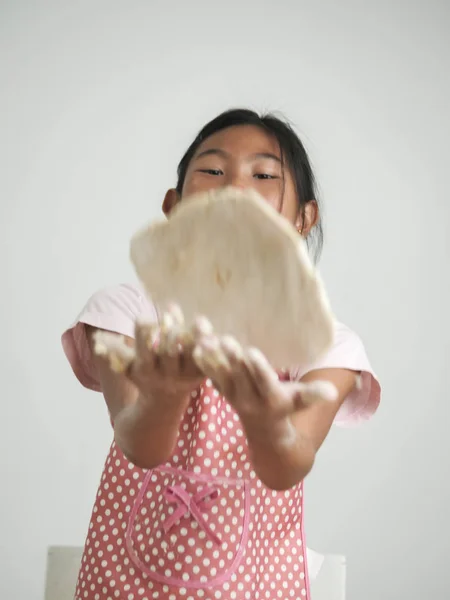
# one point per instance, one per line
(201, 330)
(211, 353)
(173, 329)
(264, 376)
(167, 333)
(180, 343)
(114, 349)
(201, 362)
(232, 349)
(175, 345)
(206, 368)
(305, 394)
(242, 378)
(191, 336)
(146, 340)
(177, 314)
(210, 359)
(169, 349)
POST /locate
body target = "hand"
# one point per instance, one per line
(161, 362)
(264, 404)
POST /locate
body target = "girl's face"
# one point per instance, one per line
(243, 156)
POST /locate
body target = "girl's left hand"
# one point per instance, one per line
(263, 402)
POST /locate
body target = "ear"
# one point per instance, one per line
(309, 219)
(171, 199)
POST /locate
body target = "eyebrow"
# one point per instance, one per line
(213, 151)
(224, 154)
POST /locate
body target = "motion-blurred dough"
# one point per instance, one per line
(228, 255)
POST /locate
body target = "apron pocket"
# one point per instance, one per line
(188, 530)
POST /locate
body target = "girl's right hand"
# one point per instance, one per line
(161, 364)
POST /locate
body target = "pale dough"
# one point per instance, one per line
(229, 256)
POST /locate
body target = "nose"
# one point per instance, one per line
(237, 180)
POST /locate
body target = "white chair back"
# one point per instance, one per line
(64, 562)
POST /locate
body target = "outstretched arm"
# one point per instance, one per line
(146, 383)
(285, 422)
(281, 462)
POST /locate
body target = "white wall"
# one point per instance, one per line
(98, 101)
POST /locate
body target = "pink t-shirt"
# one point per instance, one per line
(117, 308)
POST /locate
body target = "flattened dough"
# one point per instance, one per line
(228, 255)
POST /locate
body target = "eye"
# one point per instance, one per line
(265, 176)
(213, 172)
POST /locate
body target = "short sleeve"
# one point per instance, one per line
(348, 352)
(113, 309)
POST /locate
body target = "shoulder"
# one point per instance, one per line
(347, 347)
(124, 300)
(113, 308)
(349, 352)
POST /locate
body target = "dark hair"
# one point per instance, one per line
(293, 153)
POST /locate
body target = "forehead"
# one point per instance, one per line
(242, 140)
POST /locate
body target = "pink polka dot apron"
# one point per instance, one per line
(201, 527)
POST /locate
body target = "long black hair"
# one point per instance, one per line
(293, 154)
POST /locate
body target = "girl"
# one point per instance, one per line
(201, 495)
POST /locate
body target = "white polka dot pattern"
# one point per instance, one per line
(201, 527)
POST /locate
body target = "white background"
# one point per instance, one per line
(98, 102)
